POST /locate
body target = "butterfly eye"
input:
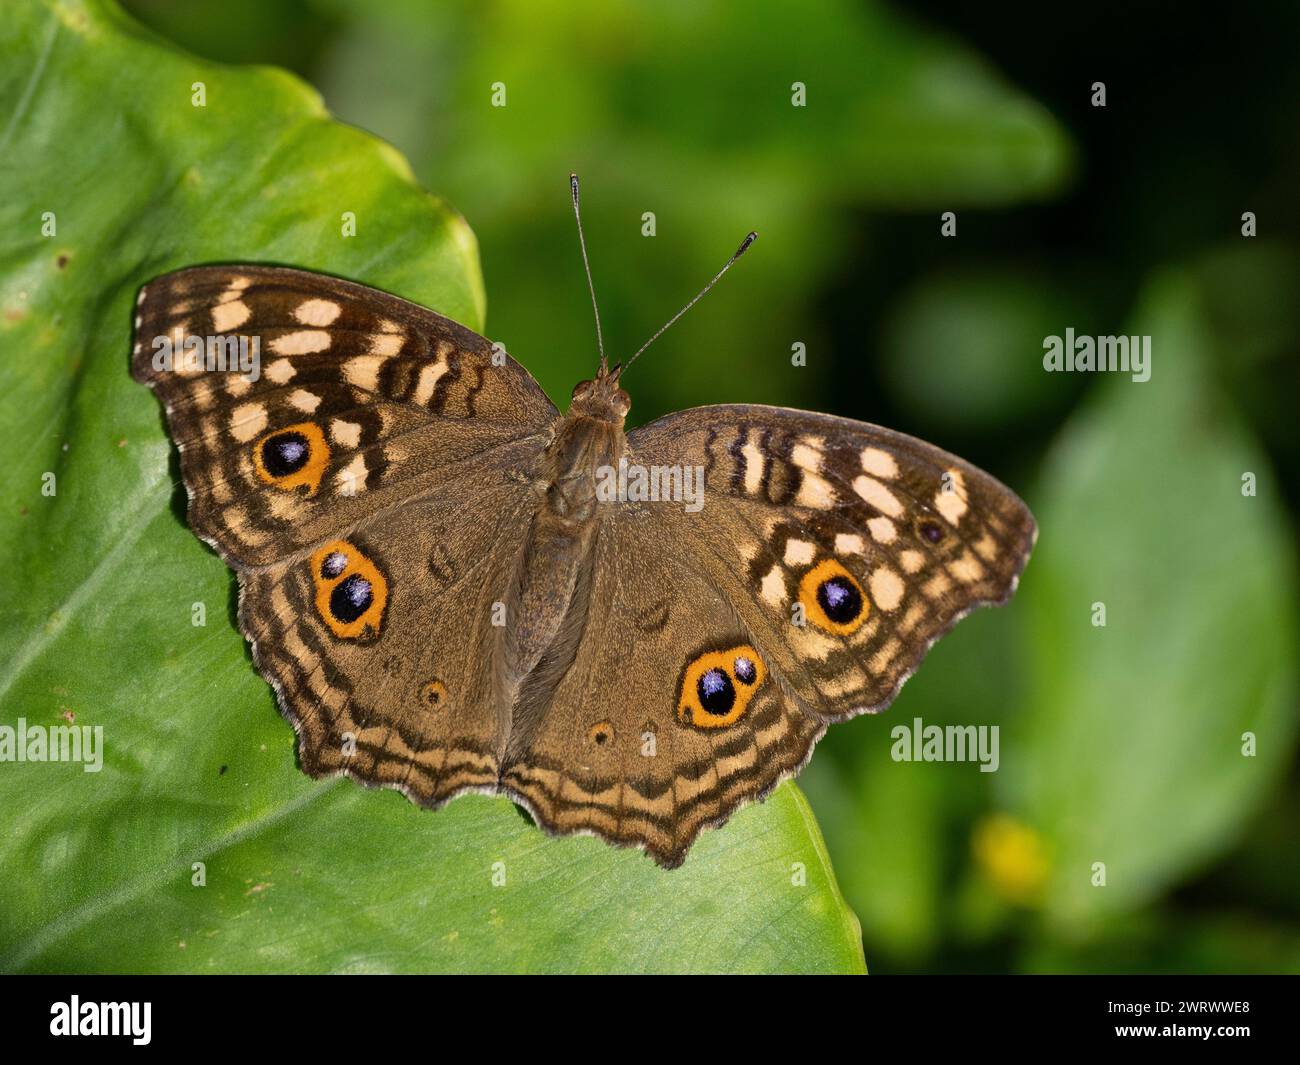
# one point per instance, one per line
(717, 687)
(832, 598)
(293, 457)
(351, 592)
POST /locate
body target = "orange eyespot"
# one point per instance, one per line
(351, 592)
(718, 686)
(292, 457)
(832, 598)
(433, 694)
(601, 733)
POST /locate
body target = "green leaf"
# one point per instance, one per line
(98, 869)
(1129, 748)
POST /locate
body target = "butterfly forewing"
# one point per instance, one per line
(809, 505)
(350, 399)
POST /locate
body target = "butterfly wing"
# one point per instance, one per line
(362, 480)
(923, 536)
(356, 402)
(614, 754)
(377, 643)
(827, 558)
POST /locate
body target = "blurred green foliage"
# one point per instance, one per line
(1121, 744)
(197, 845)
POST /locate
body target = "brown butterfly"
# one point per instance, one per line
(452, 587)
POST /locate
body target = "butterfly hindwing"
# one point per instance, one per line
(376, 642)
(617, 753)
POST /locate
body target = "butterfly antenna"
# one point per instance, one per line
(582, 241)
(744, 247)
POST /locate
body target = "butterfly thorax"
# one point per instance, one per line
(586, 439)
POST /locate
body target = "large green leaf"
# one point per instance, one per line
(101, 578)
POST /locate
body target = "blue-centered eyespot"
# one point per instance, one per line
(718, 686)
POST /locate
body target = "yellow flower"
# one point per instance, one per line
(1012, 856)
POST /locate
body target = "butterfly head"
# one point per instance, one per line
(601, 398)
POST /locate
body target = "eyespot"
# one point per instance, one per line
(832, 598)
(717, 687)
(351, 591)
(929, 531)
(293, 457)
(433, 694)
(351, 598)
(601, 733)
(716, 691)
(744, 670)
(334, 564)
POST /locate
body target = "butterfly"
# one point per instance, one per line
(454, 588)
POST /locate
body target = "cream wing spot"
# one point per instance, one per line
(879, 463)
(247, 421)
(880, 497)
(849, 544)
(938, 585)
(352, 478)
(812, 643)
(428, 381)
(280, 371)
(882, 530)
(302, 342)
(887, 588)
(363, 371)
(754, 463)
(966, 569)
(317, 312)
(773, 587)
(799, 552)
(815, 492)
(807, 454)
(304, 401)
(911, 561)
(986, 547)
(951, 501)
(386, 345)
(346, 433)
(228, 316)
